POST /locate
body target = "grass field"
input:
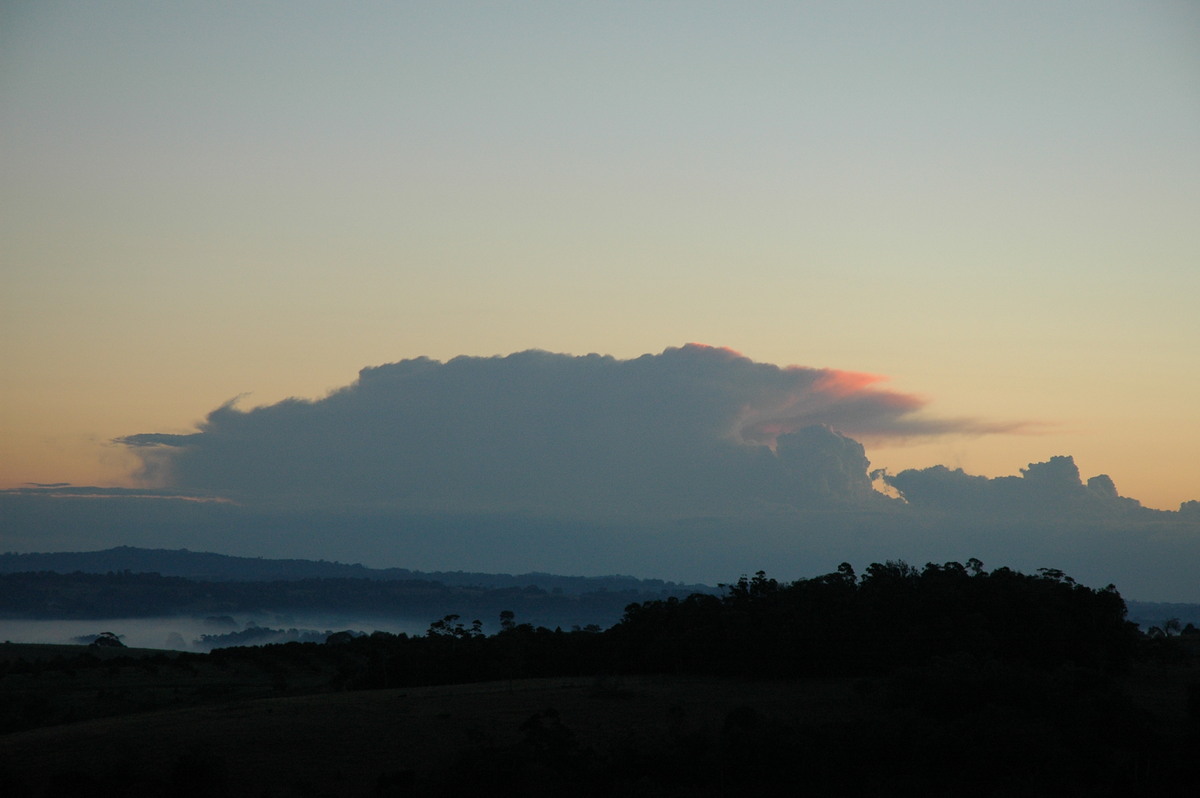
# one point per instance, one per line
(358, 743)
(143, 722)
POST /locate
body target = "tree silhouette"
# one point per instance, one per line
(107, 640)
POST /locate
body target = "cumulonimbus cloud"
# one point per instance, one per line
(692, 463)
(693, 426)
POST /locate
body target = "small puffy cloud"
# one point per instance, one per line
(1049, 489)
(690, 430)
(1102, 486)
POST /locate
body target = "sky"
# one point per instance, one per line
(987, 210)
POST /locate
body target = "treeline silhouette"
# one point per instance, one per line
(893, 616)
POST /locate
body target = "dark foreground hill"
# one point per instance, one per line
(627, 736)
(493, 738)
(899, 682)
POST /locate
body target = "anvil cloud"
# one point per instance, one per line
(693, 429)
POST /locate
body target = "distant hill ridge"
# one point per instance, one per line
(208, 566)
